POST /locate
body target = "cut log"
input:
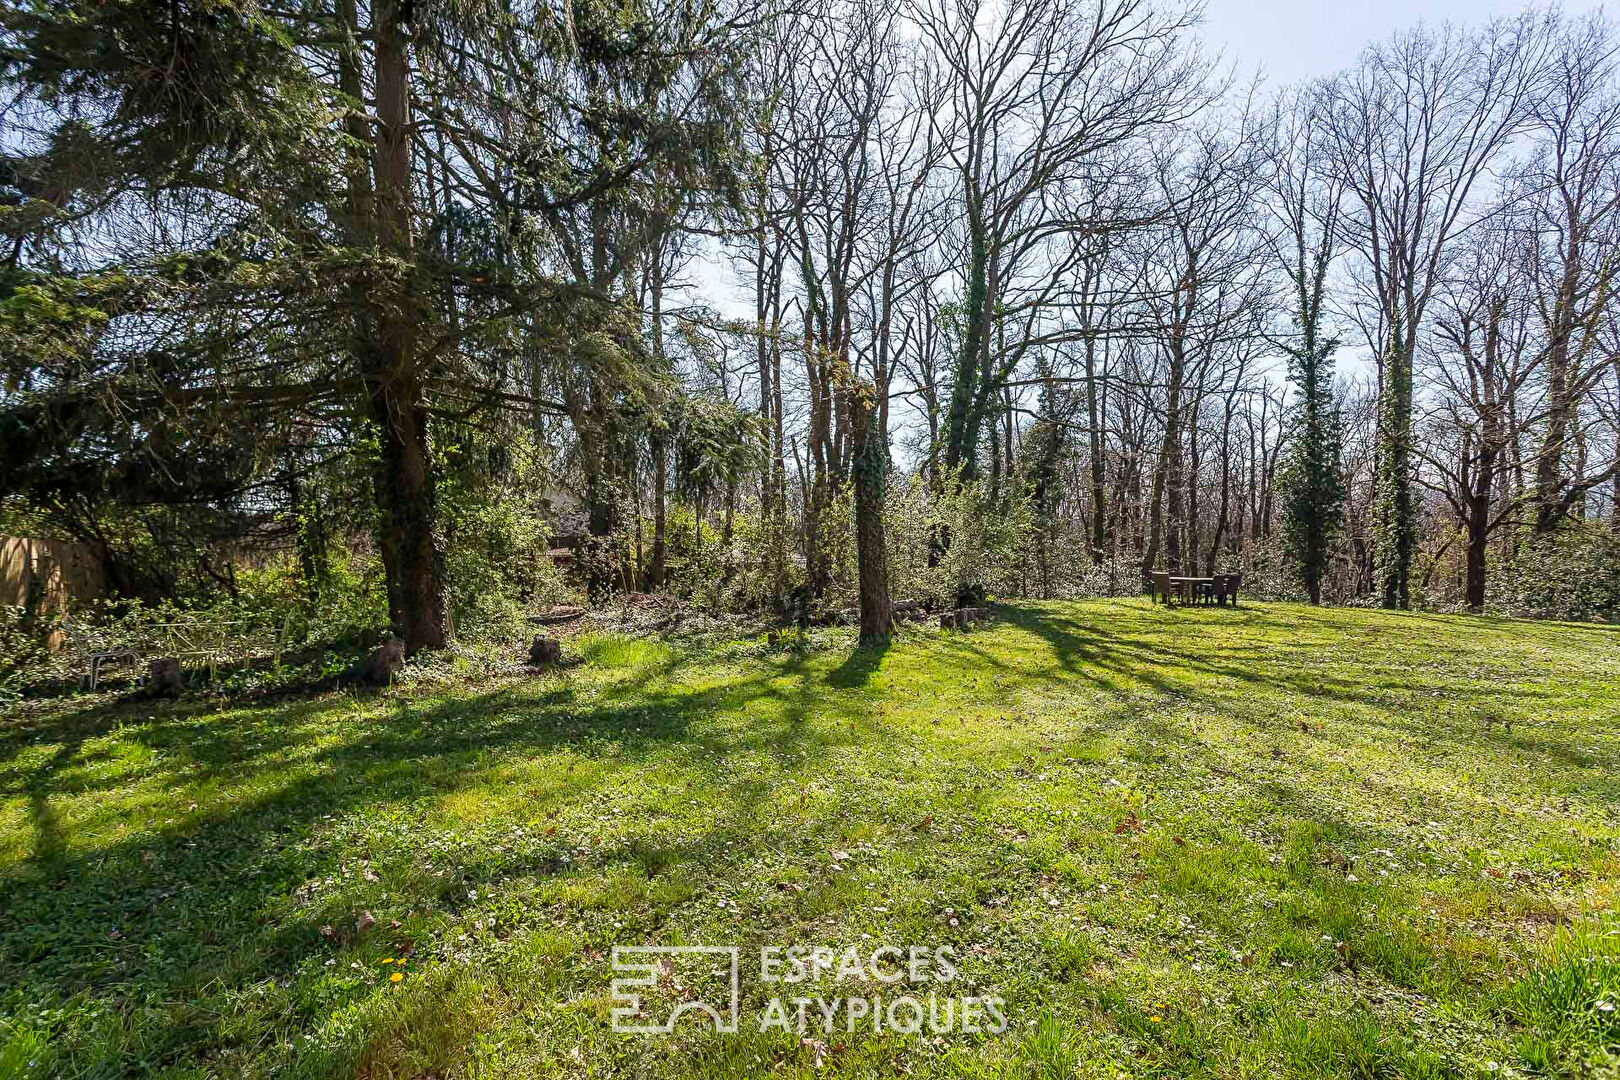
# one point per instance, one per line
(560, 614)
(950, 620)
(545, 651)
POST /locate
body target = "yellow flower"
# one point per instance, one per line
(390, 960)
(1156, 1019)
(395, 977)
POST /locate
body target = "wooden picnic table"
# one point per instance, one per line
(1222, 587)
(1188, 586)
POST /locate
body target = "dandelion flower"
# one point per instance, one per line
(395, 977)
(390, 960)
(1156, 1019)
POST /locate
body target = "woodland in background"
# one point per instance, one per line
(360, 312)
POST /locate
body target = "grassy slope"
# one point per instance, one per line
(1149, 831)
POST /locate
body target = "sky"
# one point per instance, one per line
(1292, 41)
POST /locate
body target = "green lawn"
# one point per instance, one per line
(1266, 842)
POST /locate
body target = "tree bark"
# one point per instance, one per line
(408, 499)
(1099, 465)
(871, 553)
(656, 565)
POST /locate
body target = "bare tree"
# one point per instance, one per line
(1415, 127)
(1037, 92)
(1566, 199)
(1482, 361)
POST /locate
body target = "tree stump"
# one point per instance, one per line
(384, 662)
(545, 651)
(164, 677)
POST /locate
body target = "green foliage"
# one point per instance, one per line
(717, 443)
(498, 566)
(990, 549)
(350, 606)
(245, 343)
(1572, 573)
(22, 652)
(201, 92)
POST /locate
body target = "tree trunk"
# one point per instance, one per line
(1560, 400)
(1171, 468)
(871, 553)
(1479, 510)
(1226, 486)
(408, 497)
(1399, 529)
(1099, 466)
(655, 568)
(961, 421)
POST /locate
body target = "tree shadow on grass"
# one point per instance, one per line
(858, 667)
(1164, 662)
(209, 903)
(201, 910)
(1175, 661)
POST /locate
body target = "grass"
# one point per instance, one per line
(1266, 842)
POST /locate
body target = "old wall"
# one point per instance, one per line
(45, 574)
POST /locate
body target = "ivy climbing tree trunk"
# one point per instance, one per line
(1398, 532)
(871, 553)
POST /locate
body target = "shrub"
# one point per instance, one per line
(1572, 574)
